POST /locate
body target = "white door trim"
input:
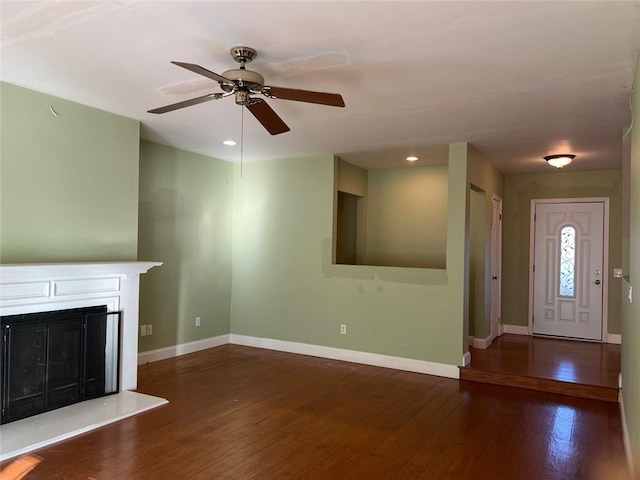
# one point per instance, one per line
(605, 254)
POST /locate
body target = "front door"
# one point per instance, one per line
(568, 269)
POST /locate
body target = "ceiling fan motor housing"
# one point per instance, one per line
(243, 79)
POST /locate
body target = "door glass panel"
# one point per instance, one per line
(567, 261)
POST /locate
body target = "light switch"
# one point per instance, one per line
(617, 272)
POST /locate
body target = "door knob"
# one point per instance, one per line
(597, 282)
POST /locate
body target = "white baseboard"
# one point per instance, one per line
(181, 349)
(481, 343)
(466, 358)
(366, 358)
(625, 438)
(614, 338)
(520, 330)
(516, 329)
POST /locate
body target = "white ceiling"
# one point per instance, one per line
(518, 80)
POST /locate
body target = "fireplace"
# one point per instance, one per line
(28, 289)
(49, 360)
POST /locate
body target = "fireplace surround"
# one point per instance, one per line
(33, 288)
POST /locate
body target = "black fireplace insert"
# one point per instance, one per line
(53, 359)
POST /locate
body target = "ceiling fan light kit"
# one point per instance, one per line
(243, 83)
(560, 160)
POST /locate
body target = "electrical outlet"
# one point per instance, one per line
(143, 330)
(343, 329)
(149, 329)
(197, 321)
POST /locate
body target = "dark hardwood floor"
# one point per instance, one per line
(568, 367)
(242, 413)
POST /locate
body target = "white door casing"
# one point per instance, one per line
(496, 265)
(569, 268)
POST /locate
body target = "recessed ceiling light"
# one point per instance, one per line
(229, 143)
(412, 159)
(559, 161)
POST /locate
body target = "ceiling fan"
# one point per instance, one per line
(243, 83)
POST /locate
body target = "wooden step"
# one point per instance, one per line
(596, 392)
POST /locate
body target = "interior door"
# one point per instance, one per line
(568, 269)
(496, 256)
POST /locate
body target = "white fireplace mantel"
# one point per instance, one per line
(32, 288)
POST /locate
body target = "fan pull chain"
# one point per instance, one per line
(241, 139)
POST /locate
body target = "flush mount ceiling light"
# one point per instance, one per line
(559, 161)
(229, 143)
(412, 159)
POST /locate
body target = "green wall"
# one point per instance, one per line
(519, 191)
(186, 223)
(407, 217)
(631, 311)
(285, 286)
(68, 183)
(351, 178)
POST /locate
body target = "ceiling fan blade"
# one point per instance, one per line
(203, 71)
(332, 99)
(188, 103)
(267, 117)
